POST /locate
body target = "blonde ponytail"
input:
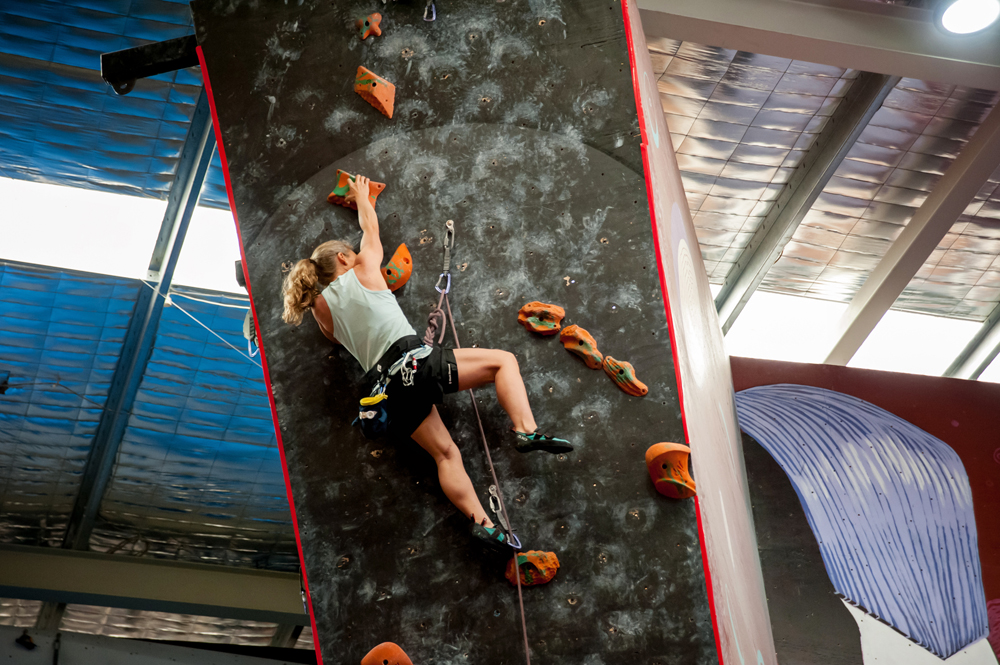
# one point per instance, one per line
(308, 277)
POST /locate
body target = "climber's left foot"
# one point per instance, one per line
(491, 536)
(537, 441)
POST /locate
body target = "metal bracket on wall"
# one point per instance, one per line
(120, 69)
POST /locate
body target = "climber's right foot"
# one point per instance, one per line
(526, 443)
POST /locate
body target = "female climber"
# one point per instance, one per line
(348, 297)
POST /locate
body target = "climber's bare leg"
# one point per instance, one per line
(478, 367)
(433, 437)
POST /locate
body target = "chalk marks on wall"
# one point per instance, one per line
(890, 507)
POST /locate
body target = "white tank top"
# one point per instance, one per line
(366, 322)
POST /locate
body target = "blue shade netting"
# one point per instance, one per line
(890, 506)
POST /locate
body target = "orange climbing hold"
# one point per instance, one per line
(668, 467)
(369, 25)
(399, 268)
(536, 567)
(541, 318)
(375, 90)
(386, 653)
(624, 375)
(582, 343)
(339, 194)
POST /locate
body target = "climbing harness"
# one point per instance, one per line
(437, 322)
(406, 366)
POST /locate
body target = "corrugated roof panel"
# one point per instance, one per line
(740, 124)
(886, 176)
(20, 613)
(60, 336)
(146, 625)
(199, 474)
(56, 106)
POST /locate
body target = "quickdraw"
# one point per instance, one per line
(437, 322)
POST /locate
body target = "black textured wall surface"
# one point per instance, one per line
(517, 120)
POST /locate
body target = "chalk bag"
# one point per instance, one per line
(373, 416)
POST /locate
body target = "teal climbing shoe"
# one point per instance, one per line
(491, 536)
(537, 441)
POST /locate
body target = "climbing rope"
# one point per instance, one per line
(437, 322)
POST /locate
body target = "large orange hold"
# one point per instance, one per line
(535, 567)
(541, 318)
(375, 90)
(582, 343)
(386, 653)
(339, 194)
(397, 272)
(668, 468)
(624, 376)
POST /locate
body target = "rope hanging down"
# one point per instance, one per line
(437, 322)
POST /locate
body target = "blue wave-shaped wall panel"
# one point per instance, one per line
(890, 506)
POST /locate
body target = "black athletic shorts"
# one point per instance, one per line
(436, 376)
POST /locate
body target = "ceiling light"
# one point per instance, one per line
(964, 17)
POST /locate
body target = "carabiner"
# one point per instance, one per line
(430, 6)
(447, 288)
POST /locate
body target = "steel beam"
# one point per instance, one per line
(109, 580)
(120, 69)
(184, 192)
(980, 351)
(966, 175)
(863, 100)
(867, 36)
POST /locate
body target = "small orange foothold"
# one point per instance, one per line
(339, 194)
(399, 268)
(541, 318)
(668, 468)
(624, 376)
(582, 343)
(375, 90)
(369, 25)
(386, 653)
(535, 567)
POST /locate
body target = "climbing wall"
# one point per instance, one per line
(517, 119)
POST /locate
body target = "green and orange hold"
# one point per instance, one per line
(399, 268)
(375, 90)
(339, 194)
(369, 25)
(535, 567)
(582, 343)
(623, 375)
(541, 318)
(668, 469)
